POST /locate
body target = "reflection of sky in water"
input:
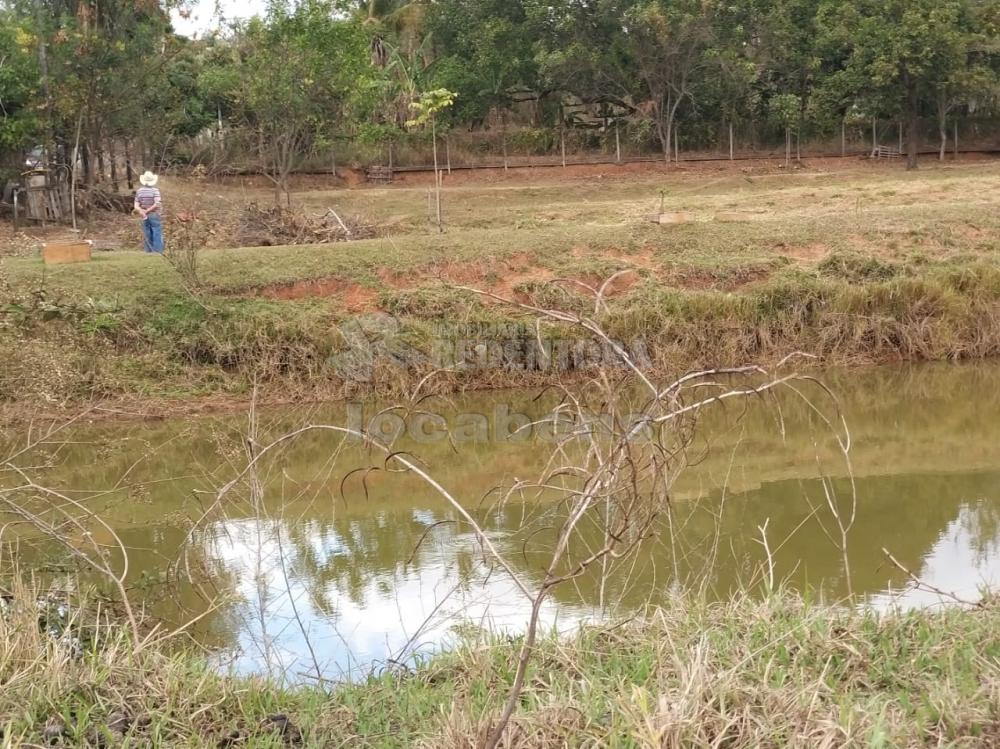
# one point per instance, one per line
(961, 563)
(408, 608)
(410, 611)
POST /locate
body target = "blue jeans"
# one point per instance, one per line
(152, 233)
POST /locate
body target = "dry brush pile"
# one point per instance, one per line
(265, 226)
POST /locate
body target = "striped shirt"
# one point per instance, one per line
(147, 197)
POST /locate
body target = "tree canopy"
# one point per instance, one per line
(310, 73)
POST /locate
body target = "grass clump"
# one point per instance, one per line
(747, 673)
(857, 268)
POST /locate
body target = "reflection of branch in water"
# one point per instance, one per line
(921, 585)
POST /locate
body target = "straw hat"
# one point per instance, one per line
(148, 179)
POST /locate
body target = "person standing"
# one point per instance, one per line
(149, 206)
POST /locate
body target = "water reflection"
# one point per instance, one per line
(334, 571)
(303, 612)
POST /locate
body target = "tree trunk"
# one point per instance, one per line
(788, 146)
(72, 172)
(562, 145)
(900, 136)
(43, 68)
(128, 166)
(943, 132)
(843, 138)
(618, 144)
(437, 177)
(731, 148)
(677, 148)
(913, 112)
(798, 145)
(447, 152)
(874, 136)
(113, 158)
(87, 173)
(956, 138)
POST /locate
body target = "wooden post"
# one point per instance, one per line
(874, 136)
(503, 138)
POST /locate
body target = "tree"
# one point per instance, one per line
(785, 109)
(583, 51)
(485, 56)
(427, 108)
(961, 86)
(297, 69)
(901, 51)
(669, 41)
(730, 85)
(18, 85)
(788, 59)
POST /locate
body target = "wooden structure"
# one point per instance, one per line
(56, 253)
(381, 175)
(886, 152)
(43, 197)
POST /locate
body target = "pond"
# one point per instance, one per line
(329, 571)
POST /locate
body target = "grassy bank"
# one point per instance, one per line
(777, 673)
(854, 266)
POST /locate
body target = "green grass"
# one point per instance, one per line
(866, 265)
(746, 673)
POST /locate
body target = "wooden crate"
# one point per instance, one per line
(55, 253)
(381, 175)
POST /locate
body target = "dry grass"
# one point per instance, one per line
(748, 673)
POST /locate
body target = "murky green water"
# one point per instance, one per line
(346, 570)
